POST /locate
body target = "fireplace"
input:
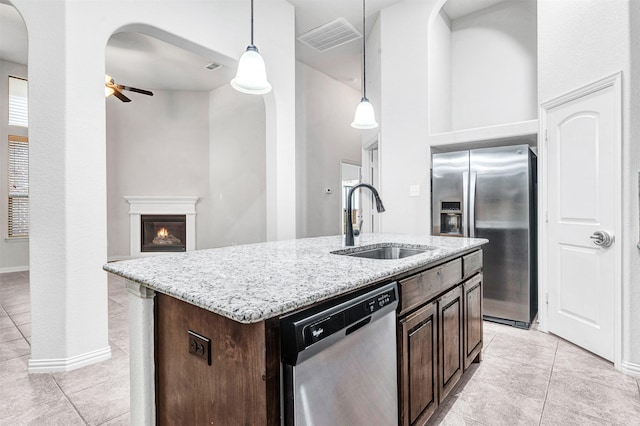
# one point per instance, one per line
(164, 233)
(163, 218)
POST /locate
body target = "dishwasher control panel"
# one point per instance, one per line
(334, 319)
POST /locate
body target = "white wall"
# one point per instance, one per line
(440, 74)
(324, 112)
(580, 42)
(493, 66)
(630, 205)
(156, 145)
(14, 253)
(404, 155)
(236, 197)
(68, 147)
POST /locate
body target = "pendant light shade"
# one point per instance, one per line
(365, 117)
(251, 76)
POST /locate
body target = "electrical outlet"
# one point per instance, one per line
(200, 346)
(414, 190)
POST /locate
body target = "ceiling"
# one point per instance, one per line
(141, 61)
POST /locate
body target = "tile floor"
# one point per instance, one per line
(94, 395)
(526, 378)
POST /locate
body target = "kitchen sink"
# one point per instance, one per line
(385, 251)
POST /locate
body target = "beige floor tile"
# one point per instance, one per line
(12, 278)
(119, 332)
(9, 333)
(530, 336)
(10, 300)
(451, 418)
(18, 309)
(493, 405)
(56, 412)
(27, 393)
(493, 327)
(117, 309)
(593, 399)
(5, 322)
(487, 337)
(554, 415)
(23, 318)
(123, 420)
(104, 401)
(521, 351)
(14, 349)
(120, 298)
(13, 369)
(514, 377)
(571, 359)
(85, 377)
(25, 329)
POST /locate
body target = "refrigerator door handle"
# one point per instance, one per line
(472, 204)
(465, 204)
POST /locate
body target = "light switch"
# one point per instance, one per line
(414, 190)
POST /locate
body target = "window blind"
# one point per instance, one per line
(18, 181)
(18, 102)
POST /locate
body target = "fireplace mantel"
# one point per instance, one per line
(160, 205)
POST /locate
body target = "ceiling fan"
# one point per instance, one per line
(111, 88)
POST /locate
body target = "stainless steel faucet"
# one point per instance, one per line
(348, 239)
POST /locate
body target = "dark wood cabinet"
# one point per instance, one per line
(240, 386)
(439, 334)
(450, 340)
(418, 387)
(472, 319)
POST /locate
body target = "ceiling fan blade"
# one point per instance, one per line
(118, 94)
(133, 89)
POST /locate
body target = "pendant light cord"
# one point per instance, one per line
(251, 22)
(364, 54)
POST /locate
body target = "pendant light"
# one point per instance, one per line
(365, 117)
(251, 77)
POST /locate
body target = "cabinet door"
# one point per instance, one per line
(418, 366)
(450, 340)
(472, 319)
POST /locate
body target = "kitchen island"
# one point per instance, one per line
(240, 292)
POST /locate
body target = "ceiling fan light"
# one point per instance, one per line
(365, 117)
(251, 77)
(108, 91)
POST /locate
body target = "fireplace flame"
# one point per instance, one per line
(163, 233)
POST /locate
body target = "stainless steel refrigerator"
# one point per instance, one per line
(491, 193)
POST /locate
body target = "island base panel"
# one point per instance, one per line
(241, 384)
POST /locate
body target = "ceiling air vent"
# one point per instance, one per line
(330, 35)
(213, 66)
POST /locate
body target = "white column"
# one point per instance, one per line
(141, 355)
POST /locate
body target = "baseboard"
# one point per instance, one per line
(56, 365)
(14, 269)
(630, 368)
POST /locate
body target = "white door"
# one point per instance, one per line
(583, 201)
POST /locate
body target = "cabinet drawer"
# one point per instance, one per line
(427, 285)
(472, 263)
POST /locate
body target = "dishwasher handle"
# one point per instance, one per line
(308, 332)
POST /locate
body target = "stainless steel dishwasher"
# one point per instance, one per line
(339, 361)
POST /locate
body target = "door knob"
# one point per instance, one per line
(602, 239)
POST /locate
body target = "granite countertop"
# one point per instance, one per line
(253, 282)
